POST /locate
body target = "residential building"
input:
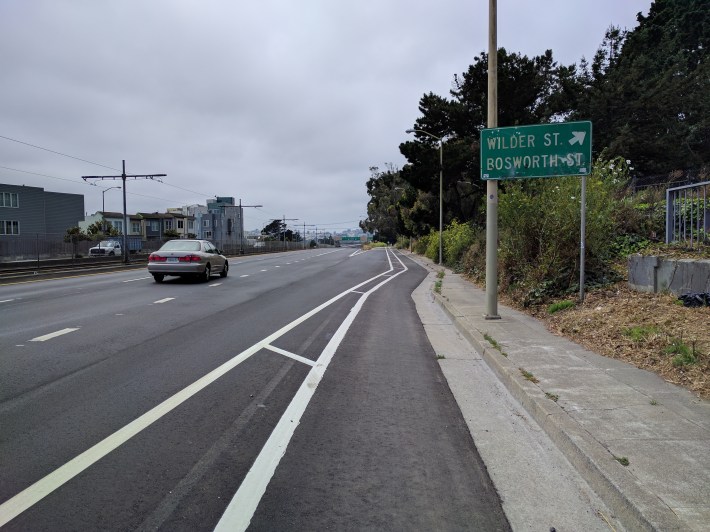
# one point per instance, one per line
(31, 211)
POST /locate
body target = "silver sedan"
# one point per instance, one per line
(187, 258)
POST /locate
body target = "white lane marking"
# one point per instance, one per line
(6, 300)
(138, 279)
(290, 355)
(244, 276)
(277, 266)
(163, 300)
(213, 284)
(54, 334)
(46, 485)
(241, 508)
(264, 270)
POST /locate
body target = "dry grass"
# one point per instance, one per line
(638, 328)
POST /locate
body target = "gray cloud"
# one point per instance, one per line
(280, 103)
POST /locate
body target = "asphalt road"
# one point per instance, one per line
(299, 393)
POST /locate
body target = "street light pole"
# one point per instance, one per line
(103, 206)
(441, 186)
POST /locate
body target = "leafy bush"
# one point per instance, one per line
(457, 238)
(539, 226)
(421, 245)
(432, 249)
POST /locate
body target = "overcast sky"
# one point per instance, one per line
(283, 103)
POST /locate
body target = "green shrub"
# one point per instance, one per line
(432, 249)
(561, 305)
(539, 226)
(420, 246)
(639, 333)
(457, 238)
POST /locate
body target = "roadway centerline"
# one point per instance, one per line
(163, 300)
(54, 334)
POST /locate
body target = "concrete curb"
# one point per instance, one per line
(633, 505)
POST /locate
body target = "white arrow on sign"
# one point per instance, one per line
(577, 137)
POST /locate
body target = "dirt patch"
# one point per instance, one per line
(650, 331)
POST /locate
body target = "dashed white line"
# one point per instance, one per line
(54, 334)
(6, 300)
(245, 275)
(138, 279)
(163, 300)
(213, 284)
(264, 270)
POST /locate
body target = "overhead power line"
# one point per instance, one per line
(57, 152)
(45, 175)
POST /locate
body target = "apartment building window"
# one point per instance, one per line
(181, 224)
(9, 227)
(118, 225)
(155, 225)
(208, 234)
(9, 199)
(168, 225)
(190, 225)
(135, 227)
(206, 223)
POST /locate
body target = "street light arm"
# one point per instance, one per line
(425, 133)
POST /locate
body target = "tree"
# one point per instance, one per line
(647, 89)
(273, 230)
(75, 235)
(388, 196)
(102, 229)
(530, 91)
(171, 233)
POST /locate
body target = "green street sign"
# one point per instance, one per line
(544, 150)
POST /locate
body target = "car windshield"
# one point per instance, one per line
(106, 244)
(181, 245)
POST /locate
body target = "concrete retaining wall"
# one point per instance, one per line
(678, 276)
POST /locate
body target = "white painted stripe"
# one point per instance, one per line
(163, 300)
(213, 284)
(264, 270)
(54, 334)
(241, 508)
(137, 279)
(6, 300)
(290, 355)
(244, 276)
(43, 487)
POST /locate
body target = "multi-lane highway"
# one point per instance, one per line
(298, 393)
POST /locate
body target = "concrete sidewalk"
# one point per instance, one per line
(598, 411)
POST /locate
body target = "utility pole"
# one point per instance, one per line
(123, 177)
(284, 227)
(492, 184)
(304, 233)
(241, 221)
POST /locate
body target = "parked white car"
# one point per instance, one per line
(106, 248)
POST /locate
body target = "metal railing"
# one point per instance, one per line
(688, 214)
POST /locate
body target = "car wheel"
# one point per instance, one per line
(225, 270)
(111, 254)
(158, 277)
(207, 274)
